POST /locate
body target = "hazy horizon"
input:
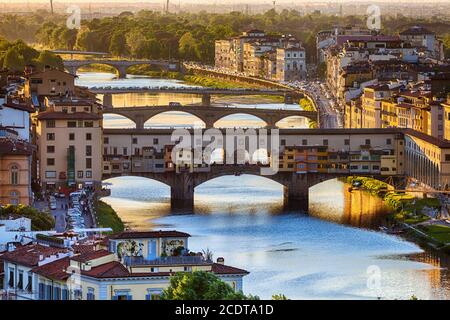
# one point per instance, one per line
(222, 2)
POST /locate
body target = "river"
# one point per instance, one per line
(333, 252)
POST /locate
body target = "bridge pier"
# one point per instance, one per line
(107, 100)
(296, 191)
(182, 192)
(122, 72)
(206, 100)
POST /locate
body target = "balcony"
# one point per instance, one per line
(162, 261)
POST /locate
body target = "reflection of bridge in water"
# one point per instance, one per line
(209, 115)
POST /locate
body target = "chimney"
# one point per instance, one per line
(220, 260)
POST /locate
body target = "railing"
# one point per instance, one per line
(179, 260)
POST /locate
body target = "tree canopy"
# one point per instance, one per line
(40, 221)
(201, 285)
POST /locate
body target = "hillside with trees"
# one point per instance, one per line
(188, 36)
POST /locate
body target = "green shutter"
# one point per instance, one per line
(71, 165)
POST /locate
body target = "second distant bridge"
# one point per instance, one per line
(209, 115)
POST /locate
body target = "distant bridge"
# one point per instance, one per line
(290, 96)
(120, 65)
(209, 115)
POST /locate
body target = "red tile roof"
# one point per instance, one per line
(19, 106)
(30, 255)
(149, 234)
(55, 270)
(83, 248)
(53, 115)
(91, 255)
(15, 147)
(218, 268)
(112, 269)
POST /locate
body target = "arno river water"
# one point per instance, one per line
(333, 252)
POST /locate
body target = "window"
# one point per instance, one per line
(50, 161)
(135, 140)
(283, 142)
(88, 136)
(88, 163)
(447, 157)
(89, 124)
(29, 286)
(125, 151)
(80, 174)
(20, 281)
(88, 174)
(105, 140)
(304, 142)
(347, 142)
(11, 278)
(51, 123)
(72, 136)
(325, 142)
(50, 149)
(50, 136)
(71, 124)
(50, 174)
(90, 294)
(367, 142)
(14, 175)
(88, 151)
(388, 141)
(155, 140)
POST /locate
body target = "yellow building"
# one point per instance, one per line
(70, 139)
(371, 101)
(446, 107)
(15, 169)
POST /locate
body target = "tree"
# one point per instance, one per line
(279, 297)
(47, 58)
(13, 60)
(40, 221)
(118, 44)
(135, 39)
(188, 47)
(200, 285)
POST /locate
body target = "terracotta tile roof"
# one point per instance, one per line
(112, 269)
(19, 106)
(30, 255)
(55, 270)
(53, 115)
(149, 234)
(91, 255)
(223, 269)
(82, 248)
(15, 147)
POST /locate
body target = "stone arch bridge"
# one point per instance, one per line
(120, 65)
(209, 115)
(182, 184)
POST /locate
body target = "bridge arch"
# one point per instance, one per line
(192, 120)
(292, 122)
(232, 117)
(117, 120)
(121, 73)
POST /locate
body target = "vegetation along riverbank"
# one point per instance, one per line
(107, 217)
(413, 215)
